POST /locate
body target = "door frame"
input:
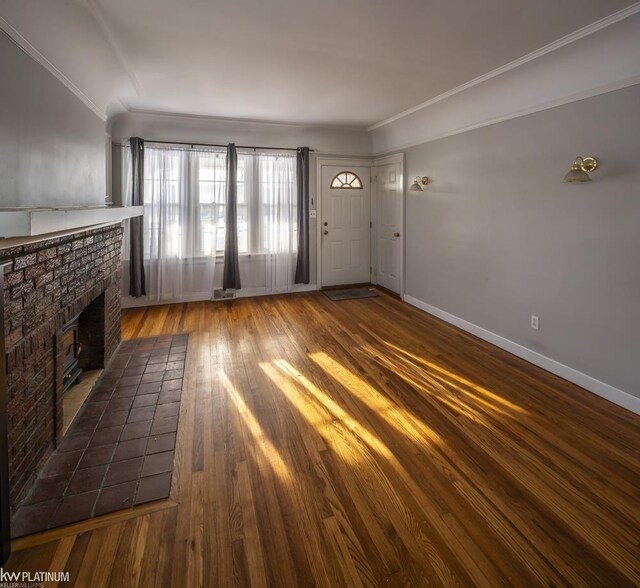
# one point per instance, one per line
(337, 161)
(378, 161)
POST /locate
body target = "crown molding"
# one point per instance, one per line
(618, 85)
(562, 42)
(222, 119)
(32, 52)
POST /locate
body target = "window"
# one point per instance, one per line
(185, 203)
(162, 179)
(276, 230)
(244, 184)
(184, 194)
(346, 179)
(212, 185)
(266, 202)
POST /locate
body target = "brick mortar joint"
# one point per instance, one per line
(107, 282)
(38, 246)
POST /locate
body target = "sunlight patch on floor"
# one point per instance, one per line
(332, 407)
(492, 395)
(316, 416)
(262, 442)
(399, 418)
(431, 386)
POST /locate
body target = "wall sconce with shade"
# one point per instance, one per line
(418, 183)
(580, 170)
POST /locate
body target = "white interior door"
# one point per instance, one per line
(345, 225)
(389, 238)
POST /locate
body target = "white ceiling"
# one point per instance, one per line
(328, 62)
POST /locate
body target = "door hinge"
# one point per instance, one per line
(371, 224)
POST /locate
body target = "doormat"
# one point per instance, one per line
(119, 450)
(349, 294)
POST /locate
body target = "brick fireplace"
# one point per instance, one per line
(49, 283)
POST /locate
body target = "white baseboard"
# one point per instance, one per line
(129, 302)
(612, 394)
(252, 292)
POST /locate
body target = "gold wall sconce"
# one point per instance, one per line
(580, 170)
(418, 182)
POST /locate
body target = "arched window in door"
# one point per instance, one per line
(346, 179)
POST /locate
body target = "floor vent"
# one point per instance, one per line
(223, 294)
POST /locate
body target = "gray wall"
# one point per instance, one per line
(52, 147)
(496, 236)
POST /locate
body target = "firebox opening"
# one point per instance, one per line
(71, 350)
(91, 334)
(82, 358)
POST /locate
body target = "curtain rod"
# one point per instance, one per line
(217, 145)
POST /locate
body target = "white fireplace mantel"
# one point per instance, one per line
(32, 222)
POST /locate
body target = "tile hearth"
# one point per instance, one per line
(119, 451)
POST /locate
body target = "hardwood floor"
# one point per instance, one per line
(366, 443)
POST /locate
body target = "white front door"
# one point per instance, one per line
(345, 225)
(388, 226)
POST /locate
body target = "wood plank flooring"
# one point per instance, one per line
(365, 443)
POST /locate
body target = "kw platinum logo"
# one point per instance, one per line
(11, 579)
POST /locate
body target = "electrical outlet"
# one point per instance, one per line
(313, 214)
(535, 322)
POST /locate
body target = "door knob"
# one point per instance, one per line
(396, 234)
(326, 232)
(325, 223)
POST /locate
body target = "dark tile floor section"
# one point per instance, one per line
(119, 451)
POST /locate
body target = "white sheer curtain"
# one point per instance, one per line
(184, 200)
(184, 195)
(277, 229)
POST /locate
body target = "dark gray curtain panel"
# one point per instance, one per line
(137, 286)
(231, 272)
(302, 174)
